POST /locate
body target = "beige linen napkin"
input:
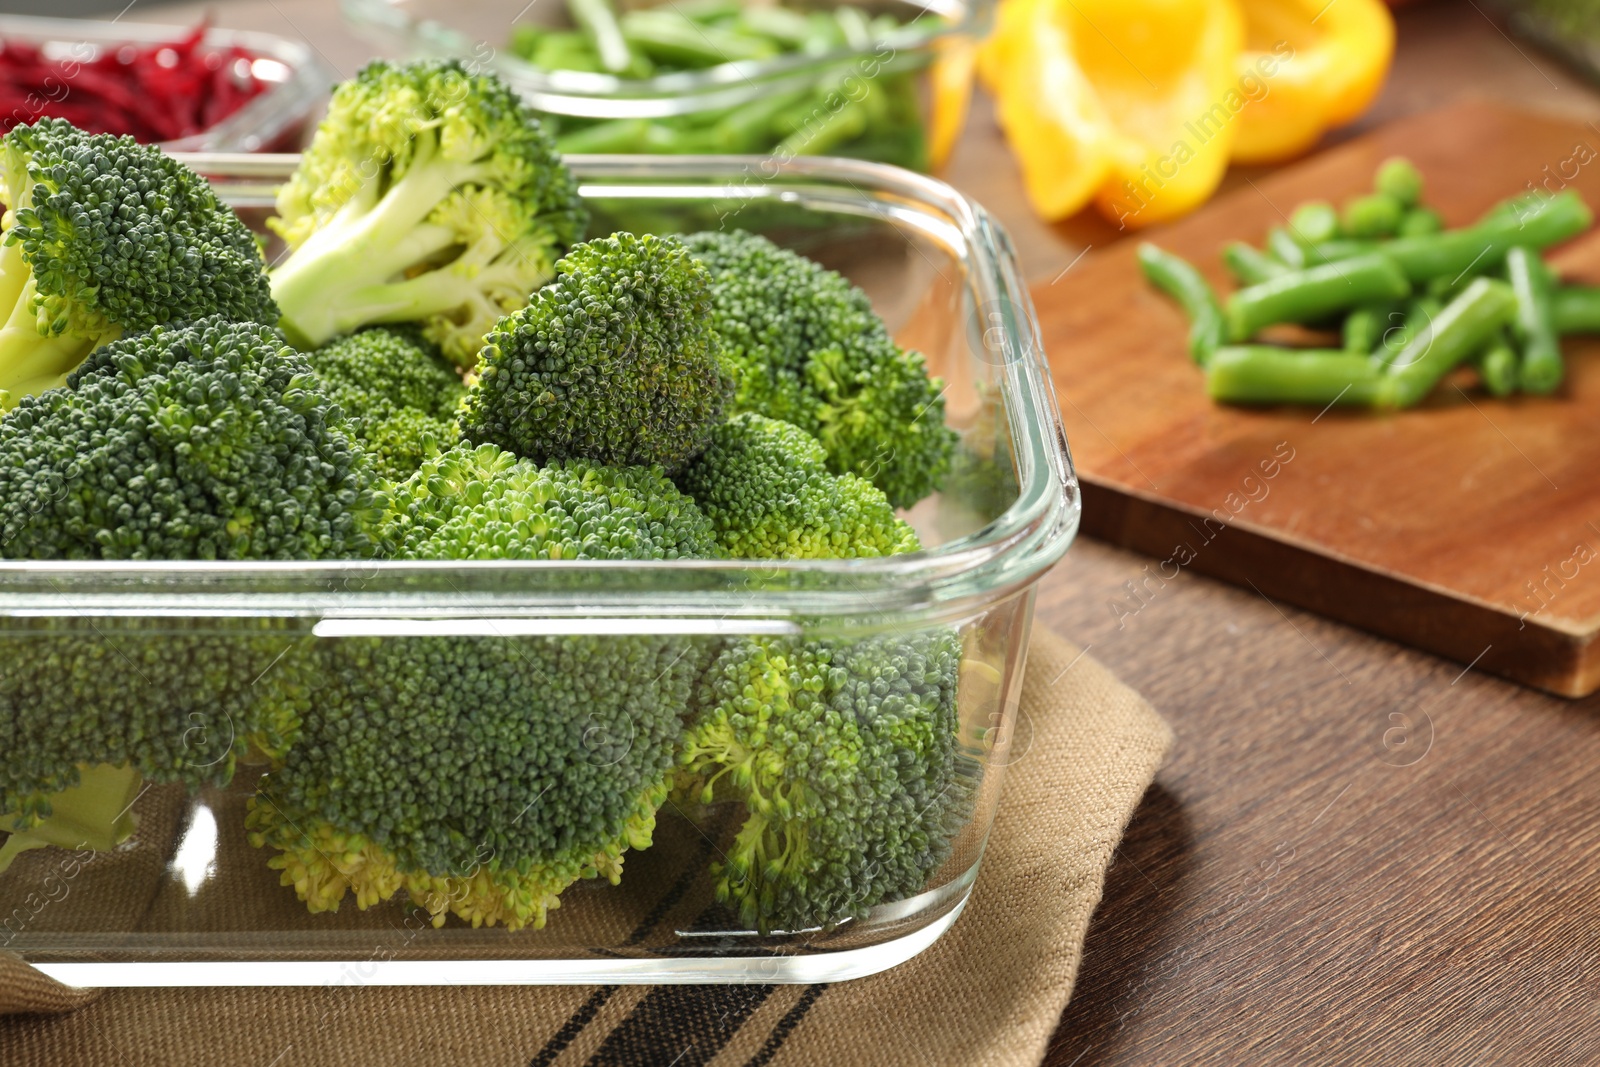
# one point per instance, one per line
(989, 992)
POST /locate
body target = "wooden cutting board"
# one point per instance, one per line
(1469, 527)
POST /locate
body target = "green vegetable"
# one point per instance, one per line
(105, 237)
(1398, 179)
(1419, 312)
(616, 360)
(1499, 367)
(843, 757)
(481, 775)
(1365, 326)
(1307, 295)
(484, 503)
(1465, 326)
(599, 24)
(1248, 264)
(1421, 221)
(1482, 247)
(400, 396)
(106, 707)
(430, 195)
(1266, 374)
(1576, 309)
(669, 38)
(205, 442)
(1315, 222)
(1283, 247)
(1535, 324)
(1377, 215)
(806, 348)
(766, 487)
(1179, 279)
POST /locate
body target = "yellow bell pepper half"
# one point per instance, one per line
(1132, 104)
(1318, 64)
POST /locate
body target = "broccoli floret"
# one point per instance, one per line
(807, 348)
(481, 775)
(480, 502)
(615, 361)
(91, 711)
(844, 757)
(429, 194)
(103, 236)
(207, 441)
(400, 395)
(766, 488)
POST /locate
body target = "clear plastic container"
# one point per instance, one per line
(932, 50)
(277, 120)
(188, 900)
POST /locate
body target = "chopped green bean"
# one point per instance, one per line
(1420, 222)
(1315, 221)
(1364, 327)
(1399, 179)
(1308, 295)
(1282, 246)
(788, 27)
(1374, 215)
(1249, 265)
(1179, 279)
(1481, 247)
(1577, 309)
(1266, 374)
(667, 37)
(1462, 329)
(597, 19)
(1403, 325)
(1535, 323)
(1498, 366)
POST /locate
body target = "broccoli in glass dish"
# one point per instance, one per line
(456, 377)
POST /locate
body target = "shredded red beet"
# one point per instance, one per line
(158, 92)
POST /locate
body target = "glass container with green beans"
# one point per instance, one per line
(884, 80)
(1406, 301)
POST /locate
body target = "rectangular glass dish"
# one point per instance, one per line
(188, 900)
(924, 69)
(275, 121)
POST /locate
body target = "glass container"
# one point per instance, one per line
(189, 900)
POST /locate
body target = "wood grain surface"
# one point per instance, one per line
(1467, 526)
(1439, 913)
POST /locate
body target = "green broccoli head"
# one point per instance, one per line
(104, 236)
(614, 361)
(843, 755)
(766, 487)
(206, 441)
(400, 395)
(807, 348)
(484, 503)
(429, 194)
(91, 710)
(481, 775)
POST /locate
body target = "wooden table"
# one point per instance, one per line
(1286, 893)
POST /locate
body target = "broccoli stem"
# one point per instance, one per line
(30, 362)
(97, 813)
(353, 270)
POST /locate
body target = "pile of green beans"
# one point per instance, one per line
(1410, 300)
(854, 109)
